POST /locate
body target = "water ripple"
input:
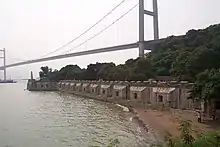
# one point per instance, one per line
(50, 119)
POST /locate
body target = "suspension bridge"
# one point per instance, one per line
(141, 44)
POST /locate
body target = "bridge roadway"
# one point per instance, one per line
(148, 46)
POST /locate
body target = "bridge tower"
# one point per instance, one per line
(143, 12)
(4, 62)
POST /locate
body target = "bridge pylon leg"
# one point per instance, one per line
(141, 28)
(4, 62)
(155, 17)
(142, 12)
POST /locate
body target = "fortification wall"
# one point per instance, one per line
(34, 85)
(133, 93)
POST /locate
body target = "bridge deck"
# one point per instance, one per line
(148, 46)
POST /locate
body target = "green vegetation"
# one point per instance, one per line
(186, 56)
(186, 138)
(183, 57)
(193, 57)
(207, 86)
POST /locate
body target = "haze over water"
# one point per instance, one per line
(52, 119)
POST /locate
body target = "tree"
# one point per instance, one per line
(120, 72)
(188, 55)
(98, 71)
(207, 86)
(183, 57)
(105, 71)
(142, 70)
(201, 59)
(207, 89)
(44, 72)
(187, 140)
(179, 66)
(68, 72)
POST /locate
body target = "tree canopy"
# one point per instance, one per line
(183, 57)
(188, 55)
(207, 85)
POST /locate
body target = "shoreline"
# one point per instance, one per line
(160, 123)
(147, 127)
(166, 122)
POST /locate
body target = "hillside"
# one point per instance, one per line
(186, 56)
(177, 56)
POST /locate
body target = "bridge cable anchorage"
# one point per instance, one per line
(100, 32)
(86, 31)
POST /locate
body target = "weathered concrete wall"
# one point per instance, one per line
(137, 94)
(120, 91)
(171, 94)
(34, 85)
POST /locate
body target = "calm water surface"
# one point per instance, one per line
(51, 119)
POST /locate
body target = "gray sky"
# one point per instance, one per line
(32, 28)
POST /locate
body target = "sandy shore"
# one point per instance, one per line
(162, 123)
(167, 122)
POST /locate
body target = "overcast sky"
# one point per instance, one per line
(32, 28)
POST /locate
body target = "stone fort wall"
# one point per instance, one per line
(134, 93)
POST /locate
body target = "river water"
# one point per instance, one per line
(52, 119)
